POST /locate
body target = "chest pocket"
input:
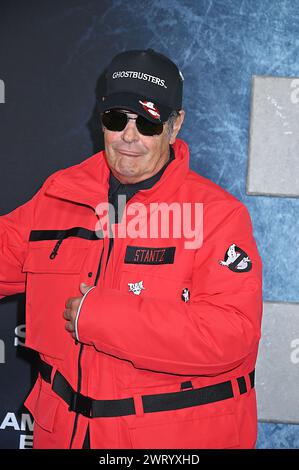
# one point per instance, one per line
(49, 283)
(69, 261)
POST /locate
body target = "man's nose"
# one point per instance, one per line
(130, 133)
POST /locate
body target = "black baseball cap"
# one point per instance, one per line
(144, 82)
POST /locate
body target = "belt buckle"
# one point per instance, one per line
(81, 404)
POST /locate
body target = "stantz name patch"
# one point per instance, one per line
(236, 259)
(149, 255)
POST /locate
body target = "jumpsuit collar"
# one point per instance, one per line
(88, 182)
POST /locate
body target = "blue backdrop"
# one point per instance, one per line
(52, 53)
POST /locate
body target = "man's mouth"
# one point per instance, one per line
(129, 154)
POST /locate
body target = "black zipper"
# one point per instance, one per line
(79, 362)
(110, 247)
(99, 269)
(56, 248)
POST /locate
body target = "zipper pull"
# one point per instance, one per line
(56, 247)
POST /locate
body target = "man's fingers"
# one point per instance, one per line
(69, 302)
(67, 314)
(73, 302)
(70, 313)
(69, 327)
(84, 288)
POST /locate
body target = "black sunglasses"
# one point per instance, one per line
(115, 120)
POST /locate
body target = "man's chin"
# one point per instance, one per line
(127, 175)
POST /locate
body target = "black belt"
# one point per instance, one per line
(151, 403)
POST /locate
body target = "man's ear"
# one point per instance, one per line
(177, 125)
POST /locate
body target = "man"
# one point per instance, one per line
(147, 330)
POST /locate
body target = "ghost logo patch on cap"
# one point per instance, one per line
(150, 108)
(236, 259)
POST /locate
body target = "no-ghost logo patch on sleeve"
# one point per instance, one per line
(236, 259)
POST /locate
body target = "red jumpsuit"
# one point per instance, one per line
(168, 337)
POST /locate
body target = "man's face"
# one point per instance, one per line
(133, 157)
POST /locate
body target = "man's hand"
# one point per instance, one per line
(72, 305)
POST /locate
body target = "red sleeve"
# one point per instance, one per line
(15, 229)
(212, 333)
